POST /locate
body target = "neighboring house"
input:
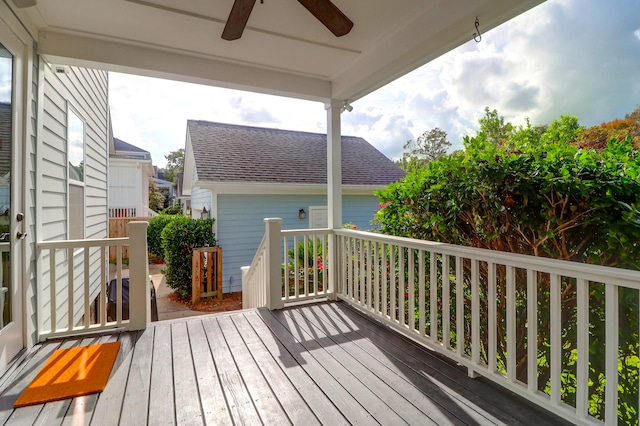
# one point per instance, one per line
(130, 169)
(185, 200)
(242, 174)
(166, 187)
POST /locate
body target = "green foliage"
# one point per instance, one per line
(565, 130)
(175, 164)
(179, 237)
(535, 193)
(429, 146)
(154, 233)
(174, 208)
(156, 197)
(559, 202)
(493, 129)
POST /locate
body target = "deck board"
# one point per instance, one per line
(136, 398)
(316, 364)
(323, 409)
(298, 411)
(235, 391)
(264, 399)
(188, 411)
(438, 410)
(214, 407)
(399, 407)
(161, 398)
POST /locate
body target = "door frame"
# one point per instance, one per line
(315, 211)
(15, 38)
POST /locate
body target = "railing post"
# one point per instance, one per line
(139, 290)
(274, 262)
(333, 265)
(245, 286)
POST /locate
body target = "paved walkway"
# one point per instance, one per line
(167, 308)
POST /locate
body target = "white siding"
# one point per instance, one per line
(86, 91)
(199, 198)
(240, 224)
(124, 186)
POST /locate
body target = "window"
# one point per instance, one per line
(76, 176)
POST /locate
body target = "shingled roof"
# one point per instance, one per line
(126, 150)
(231, 153)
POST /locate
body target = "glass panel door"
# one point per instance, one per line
(11, 63)
(6, 86)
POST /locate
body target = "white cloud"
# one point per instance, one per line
(562, 57)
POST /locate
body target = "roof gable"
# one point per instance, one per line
(126, 150)
(232, 153)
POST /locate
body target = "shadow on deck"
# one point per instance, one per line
(319, 364)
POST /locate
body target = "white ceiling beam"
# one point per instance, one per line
(113, 55)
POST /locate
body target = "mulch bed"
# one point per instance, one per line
(229, 302)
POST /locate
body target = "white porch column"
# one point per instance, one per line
(334, 189)
(334, 164)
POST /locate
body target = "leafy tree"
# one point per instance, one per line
(493, 129)
(527, 135)
(565, 130)
(598, 137)
(634, 116)
(156, 197)
(174, 208)
(175, 164)
(429, 146)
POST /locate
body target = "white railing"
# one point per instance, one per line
(123, 212)
(146, 211)
(529, 324)
(72, 287)
(306, 266)
(5, 247)
(299, 271)
(254, 279)
(563, 335)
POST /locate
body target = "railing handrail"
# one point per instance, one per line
(307, 232)
(259, 252)
(109, 242)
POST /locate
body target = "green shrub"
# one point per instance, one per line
(154, 232)
(547, 199)
(179, 238)
(173, 208)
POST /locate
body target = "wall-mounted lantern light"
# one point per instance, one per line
(204, 214)
(302, 214)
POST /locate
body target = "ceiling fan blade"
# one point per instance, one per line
(330, 16)
(237, 19)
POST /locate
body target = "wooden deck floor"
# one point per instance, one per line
(320, 364)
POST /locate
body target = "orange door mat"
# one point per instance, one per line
(71, 372)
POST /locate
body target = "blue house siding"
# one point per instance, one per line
(240, 224)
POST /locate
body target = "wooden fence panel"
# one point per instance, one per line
(118, 229)
(206, 273)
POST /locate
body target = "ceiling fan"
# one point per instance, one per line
(325, 11)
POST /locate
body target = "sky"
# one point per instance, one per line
(564, 57)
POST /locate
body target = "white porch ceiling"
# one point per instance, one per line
(284, 50)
